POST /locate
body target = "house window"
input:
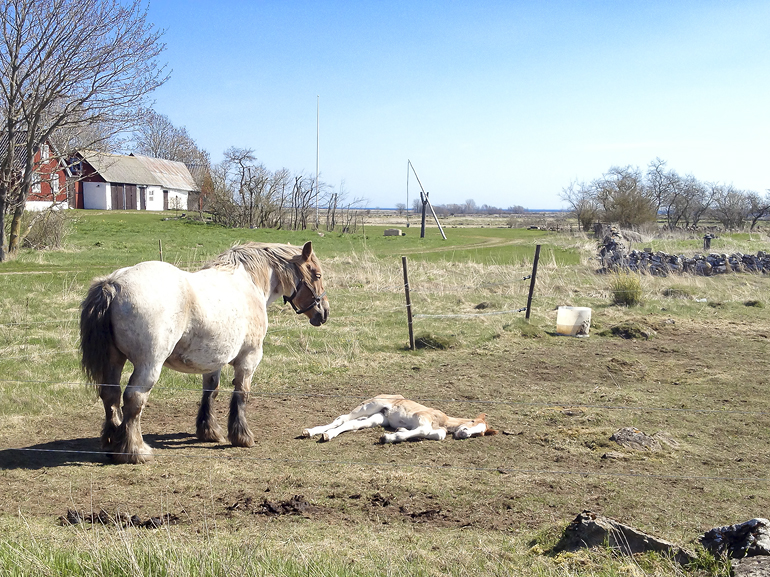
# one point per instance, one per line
(151, 196)
(36, 184)
(44, 152)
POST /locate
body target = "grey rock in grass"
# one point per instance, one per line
(751, 567)
(632, 438)
(592, 530)
(746, 539)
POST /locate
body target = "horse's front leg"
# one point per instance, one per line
(206, 426)
(128, 445)
(237, 428)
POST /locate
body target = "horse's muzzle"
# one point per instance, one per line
(321, 313)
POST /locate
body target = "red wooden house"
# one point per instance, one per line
(49, 181)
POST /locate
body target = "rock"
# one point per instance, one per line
(634, 439)
(593, 530)
(393, 232)
(751, 567)
(745, 539)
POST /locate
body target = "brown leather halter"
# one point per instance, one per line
(316, 298)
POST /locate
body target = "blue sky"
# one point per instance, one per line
(504, 103)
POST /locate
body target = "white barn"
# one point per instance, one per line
(133, 182)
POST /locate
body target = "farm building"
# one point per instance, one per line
(49, 183)
(119, 182)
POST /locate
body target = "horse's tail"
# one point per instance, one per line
(96, 338)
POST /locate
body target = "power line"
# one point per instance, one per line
(551, 404)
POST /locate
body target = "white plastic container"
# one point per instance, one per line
(573, 321)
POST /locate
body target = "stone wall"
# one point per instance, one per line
(615, 256)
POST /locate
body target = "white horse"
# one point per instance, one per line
(155, 315)
(410, 420)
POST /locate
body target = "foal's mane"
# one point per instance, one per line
(259, 258)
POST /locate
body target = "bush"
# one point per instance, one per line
(679, 292)
(626, 289)
(46, 229)
(428, 341)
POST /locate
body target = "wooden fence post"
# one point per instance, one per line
(408, 304)
(532, 280)
(160, 249)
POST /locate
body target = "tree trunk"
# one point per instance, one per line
(2, 230)
(15, 237)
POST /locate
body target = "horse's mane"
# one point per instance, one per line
(259, 258)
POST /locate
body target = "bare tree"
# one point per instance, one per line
(759, 207)
(585, 206)
(730, 206)
(66, 64)
(157, 137)
(624, 198)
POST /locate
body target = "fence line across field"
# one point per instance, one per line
(292, 394)
(501, 469)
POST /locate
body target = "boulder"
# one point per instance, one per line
(745, 539)
(593, 530)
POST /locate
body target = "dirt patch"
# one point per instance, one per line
(124, 520)
(557, 400)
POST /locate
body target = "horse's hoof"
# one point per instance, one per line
(132, 458)
(325, 437)
(242, 441)
(210, 435)
(305, 433)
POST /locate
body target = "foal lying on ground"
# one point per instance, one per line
(410, 420)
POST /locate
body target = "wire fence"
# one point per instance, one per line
(503, 469)
(290, 395)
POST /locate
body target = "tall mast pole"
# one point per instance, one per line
(317, 153)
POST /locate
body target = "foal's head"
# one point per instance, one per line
(474, 428)
(309, 296)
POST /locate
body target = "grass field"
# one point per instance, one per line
(486, 506)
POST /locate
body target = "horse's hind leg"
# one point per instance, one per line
(110, 395)
(129, 446)
(206, 426)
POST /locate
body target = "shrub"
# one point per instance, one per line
(678, 292)
(428, 341)
(46, 229)
(626, 289)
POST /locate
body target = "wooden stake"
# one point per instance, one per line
(532, 280)
(408, 304)
(160, 249)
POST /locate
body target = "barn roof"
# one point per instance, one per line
(171, 174)
(120, 168)
(140, 170)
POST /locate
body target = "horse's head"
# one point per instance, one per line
(474, 428)
(309, 296)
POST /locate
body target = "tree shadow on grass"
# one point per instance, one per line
(75, 452)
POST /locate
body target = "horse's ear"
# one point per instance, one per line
(307, 251)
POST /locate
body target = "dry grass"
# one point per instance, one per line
(488, 506)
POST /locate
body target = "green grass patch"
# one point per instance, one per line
(626, 289)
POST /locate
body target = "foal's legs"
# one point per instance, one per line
(129, 446)
(109, 391)
(373, 408)
(206, 426)
(365, 422)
